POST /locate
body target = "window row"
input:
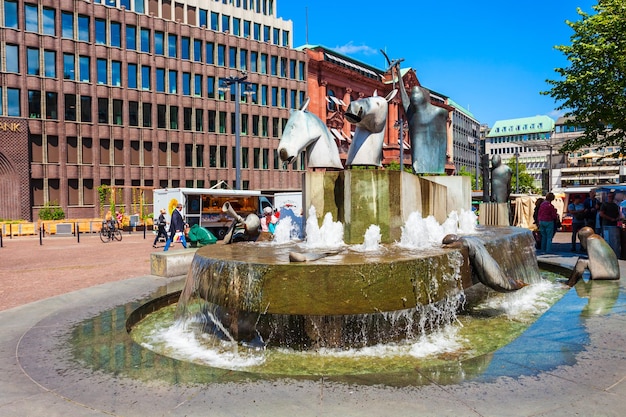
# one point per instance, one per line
(80, 150)
(42, 20)
(43, 63)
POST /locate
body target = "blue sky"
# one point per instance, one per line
(491, 57)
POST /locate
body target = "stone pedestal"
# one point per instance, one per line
(360, 198)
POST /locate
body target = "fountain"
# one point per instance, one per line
(349, 293)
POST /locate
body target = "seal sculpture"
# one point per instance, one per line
(486, 268)
(601, 262)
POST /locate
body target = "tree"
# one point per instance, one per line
(526, 181)
(592, 90)
(464, 171)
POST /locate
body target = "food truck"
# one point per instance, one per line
(203, 206)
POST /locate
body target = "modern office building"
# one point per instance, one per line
(467, 149)
(529, 139)
(141, 94)
(588, 166)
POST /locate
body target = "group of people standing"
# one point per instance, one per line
(601, 217)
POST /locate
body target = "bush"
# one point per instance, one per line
(51, 211)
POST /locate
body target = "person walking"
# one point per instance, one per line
(546, 216)
(177, 225)
(161, 223)
(609, 215)
(577, 209)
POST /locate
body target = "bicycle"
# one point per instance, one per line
(110, 232)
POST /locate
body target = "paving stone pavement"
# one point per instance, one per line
(46, 289)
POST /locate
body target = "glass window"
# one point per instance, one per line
(32, 18)
(116, 73)
(32, 61)
(172, 77)
(274, 65)
(197, 85)
(285, 38)
(146, 110)
(225, 23)
(266, 33)
(212, 124)
(50, 63)
(210, 86)
(187, 112)
(133, 113)
(236, 26)
(199, 120)
(48, 21)
(34, 104)
(276, 36)
(52, 106)
(145, 78)
(197, 50)
(215, 21)
(101, 65)
(117, 112)
(84, 65)
(173, 117)
(221, 55)
(13, 58)
(274, 96)
(159, 40)
(301, 72)
(85, 109)
(292, 69)
(186, 83)
(132, 76)
(145, 40)
(171, 46)
(13, 102)
(161, 110)
(83, 28)
(254, 57)
(10, 14)
(103, 110)
(101, 31)
(232, 56)
(283, 97)
(185, 45)
(140, 6)
(70, 107)
(246, 28)
(160, 80)
(210, 53)
(131, 38)
(283, 67)
(116, 34)
(203, 18)
(67, 24)
(263, 63)
(264, 95)
(257, 32)
(243, 59)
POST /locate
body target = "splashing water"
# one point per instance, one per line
(372, 238)
(330, 235)
(424, 233)
(285, 231)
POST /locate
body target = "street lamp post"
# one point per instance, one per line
(237, 82)
(475, 142)
(516, 172)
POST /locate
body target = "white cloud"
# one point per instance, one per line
(351, 48)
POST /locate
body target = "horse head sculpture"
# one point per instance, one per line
(370, 117)
(304, 130)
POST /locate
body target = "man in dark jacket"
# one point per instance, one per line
(177, 226)
(161, 223)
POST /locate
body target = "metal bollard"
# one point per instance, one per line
(10, 231)
(77, 233)
(41, 229)
(1, 238)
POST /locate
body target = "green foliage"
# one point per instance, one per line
(592, 88)
(51, 211)
(526, 181)
(395, 166)
(103, 192)
(465, 172)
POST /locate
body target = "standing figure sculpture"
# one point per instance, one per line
(427, 129)
(304, 130)
(370, 117)
(500, 180)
